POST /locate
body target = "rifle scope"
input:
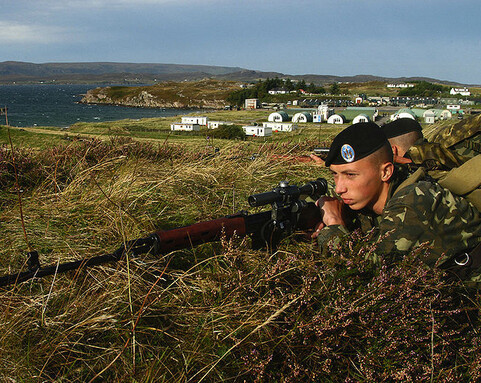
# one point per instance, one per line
(321, 152)
(286, 193)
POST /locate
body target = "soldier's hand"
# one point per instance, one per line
(318, 160)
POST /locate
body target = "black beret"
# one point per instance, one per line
(355, 142)
(401, 126)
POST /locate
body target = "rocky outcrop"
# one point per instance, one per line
(180, 95)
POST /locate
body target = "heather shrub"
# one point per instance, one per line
(348, 320)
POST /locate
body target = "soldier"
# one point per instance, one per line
(403, 133)
(454, 171)
(409, 146)
(404, 214)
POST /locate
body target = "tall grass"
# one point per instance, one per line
(217, 312)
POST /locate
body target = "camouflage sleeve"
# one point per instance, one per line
(427, 213)
(330, 234)
(434, 156)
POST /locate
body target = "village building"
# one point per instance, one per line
(361, 118)
(336, 119)
(278, 91)
(439, 114)
(252, 103)
(187, 127)
(323, 113)
(461, 91)
(280, 116)
(454, 108)
(377, 100)
(351, 112)
(404, 113)
(257, 131)
(402, 85)
(199, 120)
(429, 117)
(280, 126)
(302, 117)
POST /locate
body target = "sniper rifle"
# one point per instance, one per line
(289, 213)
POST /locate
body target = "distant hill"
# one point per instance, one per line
(15, 71)
(144, 73)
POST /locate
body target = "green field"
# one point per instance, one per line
(219, 311)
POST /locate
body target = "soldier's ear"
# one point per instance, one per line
(387, 171)
(395, 150)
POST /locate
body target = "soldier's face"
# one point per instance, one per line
(360, 184)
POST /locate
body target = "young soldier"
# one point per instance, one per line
(404, 215)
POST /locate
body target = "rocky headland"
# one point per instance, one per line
(204, 94)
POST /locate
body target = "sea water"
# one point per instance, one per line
(58, 105)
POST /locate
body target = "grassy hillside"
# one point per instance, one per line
(216, 312)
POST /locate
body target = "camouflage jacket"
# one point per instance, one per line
(422, 212)
(463, 137)
(434, 157)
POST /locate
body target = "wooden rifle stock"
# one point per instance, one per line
(266, 229)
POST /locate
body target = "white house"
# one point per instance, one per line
(252, 103)
(336, 119)
(302, 117)
(323, 113)
(403, 85)
(278, 117)
(185, 127)
(429, 117)
(361, 118)
(453, 107)
(199, 120)
(257, 131)
(280, 126)
(461, 91)
(278, 91)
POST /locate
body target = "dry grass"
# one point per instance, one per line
(218, 312)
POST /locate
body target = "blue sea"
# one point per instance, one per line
(57, 105)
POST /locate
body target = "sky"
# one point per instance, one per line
(393, 38)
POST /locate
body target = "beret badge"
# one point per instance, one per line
(347, 153)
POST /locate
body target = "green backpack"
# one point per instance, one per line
(464, 180)
(451, 156)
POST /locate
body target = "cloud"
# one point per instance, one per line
(17, 33)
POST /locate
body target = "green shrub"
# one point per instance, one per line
(228, 132)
